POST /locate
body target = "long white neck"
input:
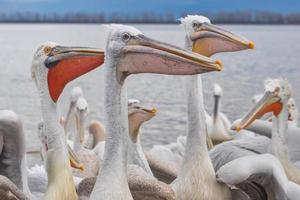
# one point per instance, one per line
(196, 147)
(137, 156)
(196, 168)
(58, 170)
(114, 168)
(279, 134)
(217, 108)
(54, 131)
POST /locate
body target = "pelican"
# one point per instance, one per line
(86, 156)
(53, 66)
(76, 93)
(128, 52)
(275, 100)
(196, 169)
(137, 115)
(218, 130)
(76, 117)
(217, 40)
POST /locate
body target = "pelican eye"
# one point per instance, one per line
(47, 50)
(195, 24)
(126, 37)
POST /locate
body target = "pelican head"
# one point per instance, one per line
(53, 66)
(76, 93)
(137, 115)
(277, 93)
(207, 39)
(81, 112)
(135, 53)
(218, 92)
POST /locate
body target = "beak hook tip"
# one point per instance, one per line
(220, 65)
(251, 45)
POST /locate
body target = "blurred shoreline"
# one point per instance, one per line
(232, 17)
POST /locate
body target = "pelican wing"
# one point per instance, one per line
(231, 150)
(12, 146)
(8, 190)
(142, 186)
(261, 127)
(161, 170)
(265, 172)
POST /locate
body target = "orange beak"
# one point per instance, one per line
(66, 64)
(74, 160)
(268, 103)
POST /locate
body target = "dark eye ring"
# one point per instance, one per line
(195, 24)
(126, 37)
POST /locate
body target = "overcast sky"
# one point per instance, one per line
(158, 6)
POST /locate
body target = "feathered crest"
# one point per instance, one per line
(282, 84)
(190, 18)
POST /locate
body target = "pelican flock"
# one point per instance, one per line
(254, 158)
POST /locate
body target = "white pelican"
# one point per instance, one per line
(275, 100)
(76, 93)
(84, 155)
(53, 67)
(76, 119)
(196, 169)
(128, 51)
(218, 130)
(204, 38)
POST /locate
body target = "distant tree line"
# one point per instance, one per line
(237, 17)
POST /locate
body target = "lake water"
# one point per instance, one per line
(276, 55)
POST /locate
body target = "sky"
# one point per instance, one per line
(138, 6)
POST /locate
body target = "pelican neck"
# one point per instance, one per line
(114, 167)
(279, 133)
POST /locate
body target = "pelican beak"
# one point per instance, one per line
(144, 55)
(74, 161)
(67, 63)
(209, 39)
(152, 111)
(270, 102)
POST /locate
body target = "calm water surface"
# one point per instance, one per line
(276, 55)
